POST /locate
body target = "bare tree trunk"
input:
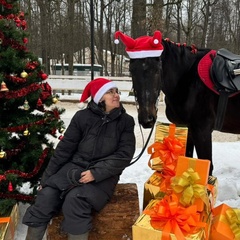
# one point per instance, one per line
(70, 36)
(44, 23)
(139, 18)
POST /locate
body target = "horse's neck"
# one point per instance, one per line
(177, 57)
(178, 62)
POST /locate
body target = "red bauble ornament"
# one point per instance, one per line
(39, 102)
(60, 137)
(44, 76)
(25, 40)
(10, 187)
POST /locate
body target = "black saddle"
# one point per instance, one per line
(225, 74)
(225, 71)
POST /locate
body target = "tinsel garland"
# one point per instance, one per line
(5, 4)
(16, 79)
(16, 151)
(30, 174)
(20, 93)
(14, 44)
(19, 197)
(18, 19)
(21, 128)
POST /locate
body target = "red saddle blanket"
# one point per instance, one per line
(204, 70)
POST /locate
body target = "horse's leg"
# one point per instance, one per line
(190, 145)
(202, 140)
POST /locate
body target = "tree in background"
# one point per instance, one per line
(27, 120)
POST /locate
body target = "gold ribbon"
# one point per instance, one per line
(233, 218)
(187, 185)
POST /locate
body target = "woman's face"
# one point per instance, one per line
(112, 99)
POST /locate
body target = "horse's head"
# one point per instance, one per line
(146, 77)
(145, 67)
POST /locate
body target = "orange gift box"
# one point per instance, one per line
(225, 223)
(8, 224)
(201, 168)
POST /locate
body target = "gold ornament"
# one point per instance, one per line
(61, 130)
(55, 100)
(3, 154)
(26, 133)
(24, 74)
(26, 105)
(4, 87)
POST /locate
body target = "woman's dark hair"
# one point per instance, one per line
(102, 105)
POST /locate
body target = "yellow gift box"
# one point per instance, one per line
(225, 223)
(8, 224)
(196, 171)
(143, 230)
(170, 142)
(162, 131)
(152, 188)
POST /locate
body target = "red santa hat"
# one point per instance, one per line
(96, 89)
(142, 47)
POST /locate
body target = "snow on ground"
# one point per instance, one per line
(226, 155)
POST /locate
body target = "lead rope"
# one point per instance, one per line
(144, 147)
(148, 139)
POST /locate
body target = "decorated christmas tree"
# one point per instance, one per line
(27, 118)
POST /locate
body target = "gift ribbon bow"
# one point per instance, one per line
(165, 153)
(187, 185)
(233, 217)
(5, 220)
(169, 217)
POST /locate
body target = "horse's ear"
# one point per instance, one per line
(127, 41)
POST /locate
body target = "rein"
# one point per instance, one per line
(143, 149)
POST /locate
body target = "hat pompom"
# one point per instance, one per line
(81, 105)
(116, 41)
(155, 41)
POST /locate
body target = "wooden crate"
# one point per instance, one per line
(114, 222)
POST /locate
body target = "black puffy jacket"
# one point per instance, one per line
(103, 143)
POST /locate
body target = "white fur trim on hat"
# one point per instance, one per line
(103, 90)
(144, 54)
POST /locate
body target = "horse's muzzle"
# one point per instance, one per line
(147, 122)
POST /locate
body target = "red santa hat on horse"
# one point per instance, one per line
(142, 47)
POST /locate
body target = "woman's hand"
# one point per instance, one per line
(86, 177)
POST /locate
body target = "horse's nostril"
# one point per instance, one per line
(147, 122)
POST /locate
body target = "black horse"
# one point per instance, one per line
(188, 100)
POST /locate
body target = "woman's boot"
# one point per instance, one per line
(78, 237)
(36, 233)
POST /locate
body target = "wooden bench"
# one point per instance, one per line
(114, 222)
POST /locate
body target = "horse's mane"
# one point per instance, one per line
(192, 48)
